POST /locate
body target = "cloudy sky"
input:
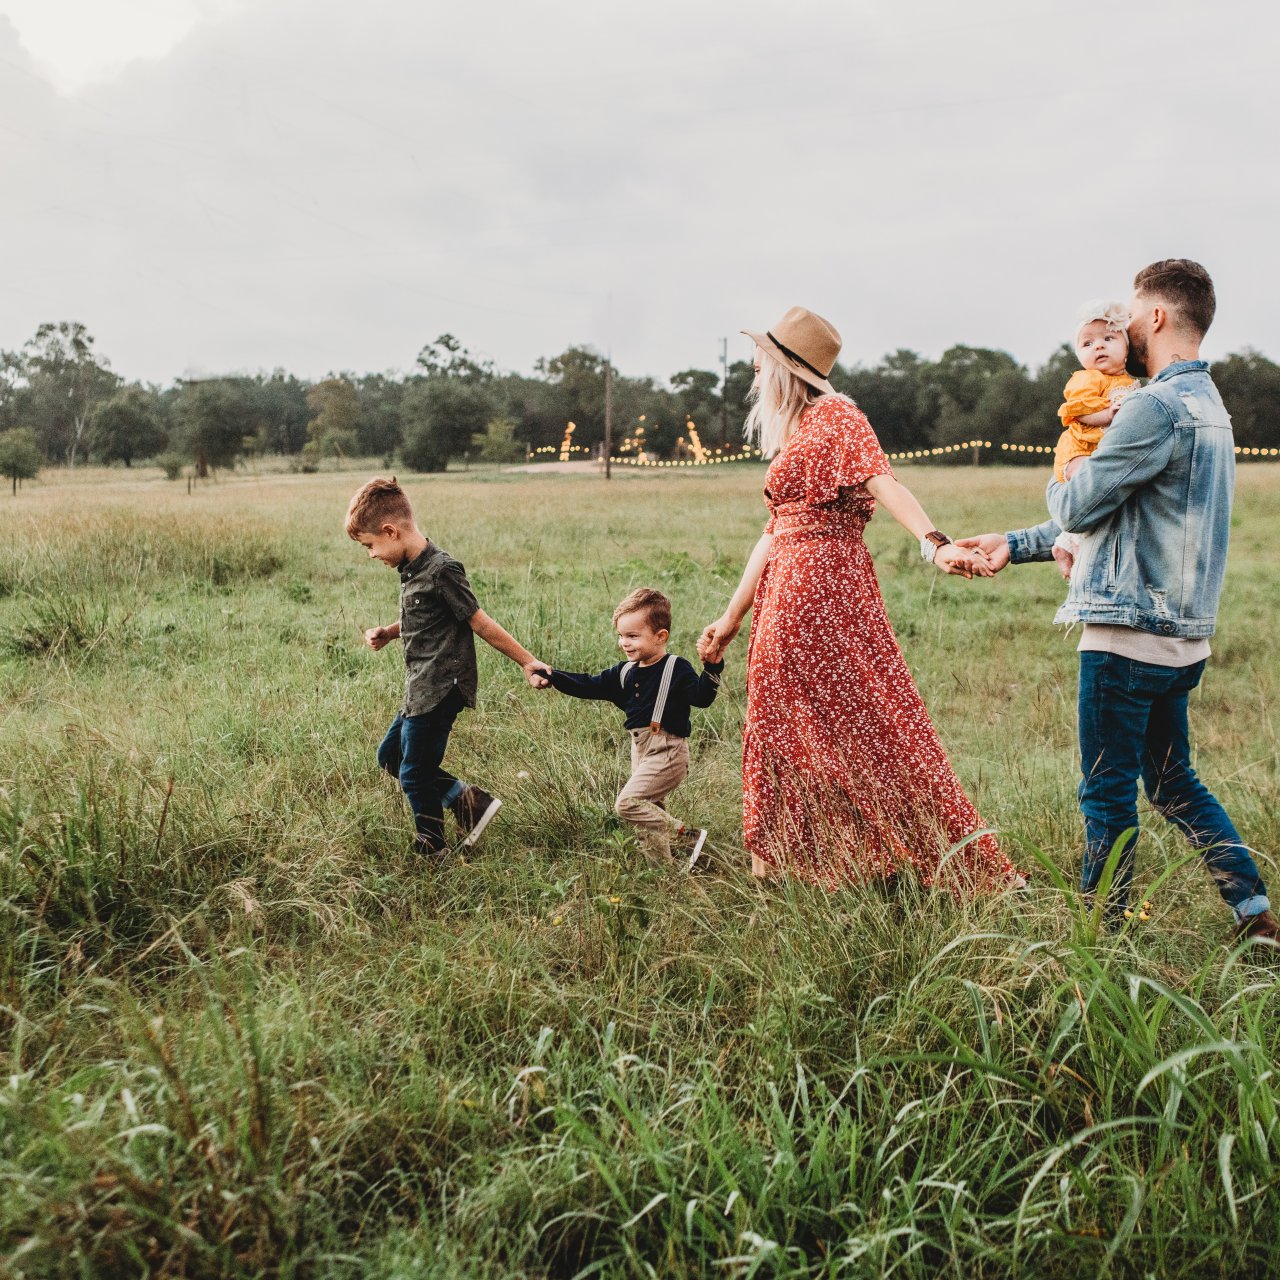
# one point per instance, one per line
(225, 185)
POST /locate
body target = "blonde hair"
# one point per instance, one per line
(778, 399)
(377, 503)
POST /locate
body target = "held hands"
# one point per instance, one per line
(993, 546)
(379, 637)
(1064, 560)
(965, 562)
(716, 638)
(536, 673)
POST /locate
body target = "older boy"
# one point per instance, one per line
(655, 689)
(439, 616)
(1156, 499)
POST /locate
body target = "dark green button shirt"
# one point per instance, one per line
(436, 604)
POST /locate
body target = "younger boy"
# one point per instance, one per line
(1091, 397)
(438, 617)
(655, 689)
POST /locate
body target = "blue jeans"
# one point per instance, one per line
(1133, 721)
(411, 752)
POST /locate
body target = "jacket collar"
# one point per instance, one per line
(1181, 366)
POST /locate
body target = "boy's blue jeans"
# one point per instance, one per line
(411, 752)
(1133, 721)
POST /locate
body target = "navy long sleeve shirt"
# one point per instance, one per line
(640, 694)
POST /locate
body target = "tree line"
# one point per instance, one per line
(61, 403)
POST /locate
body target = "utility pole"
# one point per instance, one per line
(608, 417)
(724, 394)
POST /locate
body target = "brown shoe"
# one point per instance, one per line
(1263, 927)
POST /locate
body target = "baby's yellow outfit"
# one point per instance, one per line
(1087, 392)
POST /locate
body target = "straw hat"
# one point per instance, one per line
(804, 343)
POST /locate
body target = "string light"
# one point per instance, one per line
(709, 459)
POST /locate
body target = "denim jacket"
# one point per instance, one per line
(1153, 506)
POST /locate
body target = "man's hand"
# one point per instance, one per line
(536, 673)
(716, 639)
(1064, 560)
(995, 546)
(1073, 466)
(379, 637)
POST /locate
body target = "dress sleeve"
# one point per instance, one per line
(842, 453)
(1084, 394)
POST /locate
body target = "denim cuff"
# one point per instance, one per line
(1251, 907)
(453, 793)
(1020, 551)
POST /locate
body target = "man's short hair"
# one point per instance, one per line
(379, 502)
(1185, 286)
(656, 606)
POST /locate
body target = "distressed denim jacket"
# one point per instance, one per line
(1155, 503)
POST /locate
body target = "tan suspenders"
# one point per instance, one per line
(664, 688)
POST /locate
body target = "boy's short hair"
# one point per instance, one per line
(379, 502)
(1186, 286)
(656, 606)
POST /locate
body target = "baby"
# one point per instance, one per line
(1091, 397)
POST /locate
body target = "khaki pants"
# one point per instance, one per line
(659, 763)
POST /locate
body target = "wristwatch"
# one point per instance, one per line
(930, 543)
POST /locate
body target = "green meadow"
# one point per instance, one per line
(243, 1032)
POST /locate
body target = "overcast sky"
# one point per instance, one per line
(225, 185)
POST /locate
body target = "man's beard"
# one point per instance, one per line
(1135, 363)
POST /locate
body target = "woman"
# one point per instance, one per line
(844, 777)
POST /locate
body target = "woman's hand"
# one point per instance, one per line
(716, 638)
(966, 562)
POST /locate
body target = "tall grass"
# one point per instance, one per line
(245, 1034)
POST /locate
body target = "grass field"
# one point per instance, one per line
(244, 1034)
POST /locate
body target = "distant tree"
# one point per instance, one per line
(215, 417)
(12, 388)
(1008, 400)
(20, 456)
(127, 425)
(959, 376)
(441, 418)
(446, 357)
(576, 376)
(64, 379)
(1250, 387)
(737, 393)
(337, 408)
(282, 412)
(539, 409)
(380, 427)
(498, 443)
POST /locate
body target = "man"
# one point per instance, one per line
(1154, 502)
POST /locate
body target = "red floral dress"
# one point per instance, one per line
(844, 778)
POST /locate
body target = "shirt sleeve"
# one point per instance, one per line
(842, 454)
(606, 687)
(455, 590)
(1135, 448)
(1085, 393)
